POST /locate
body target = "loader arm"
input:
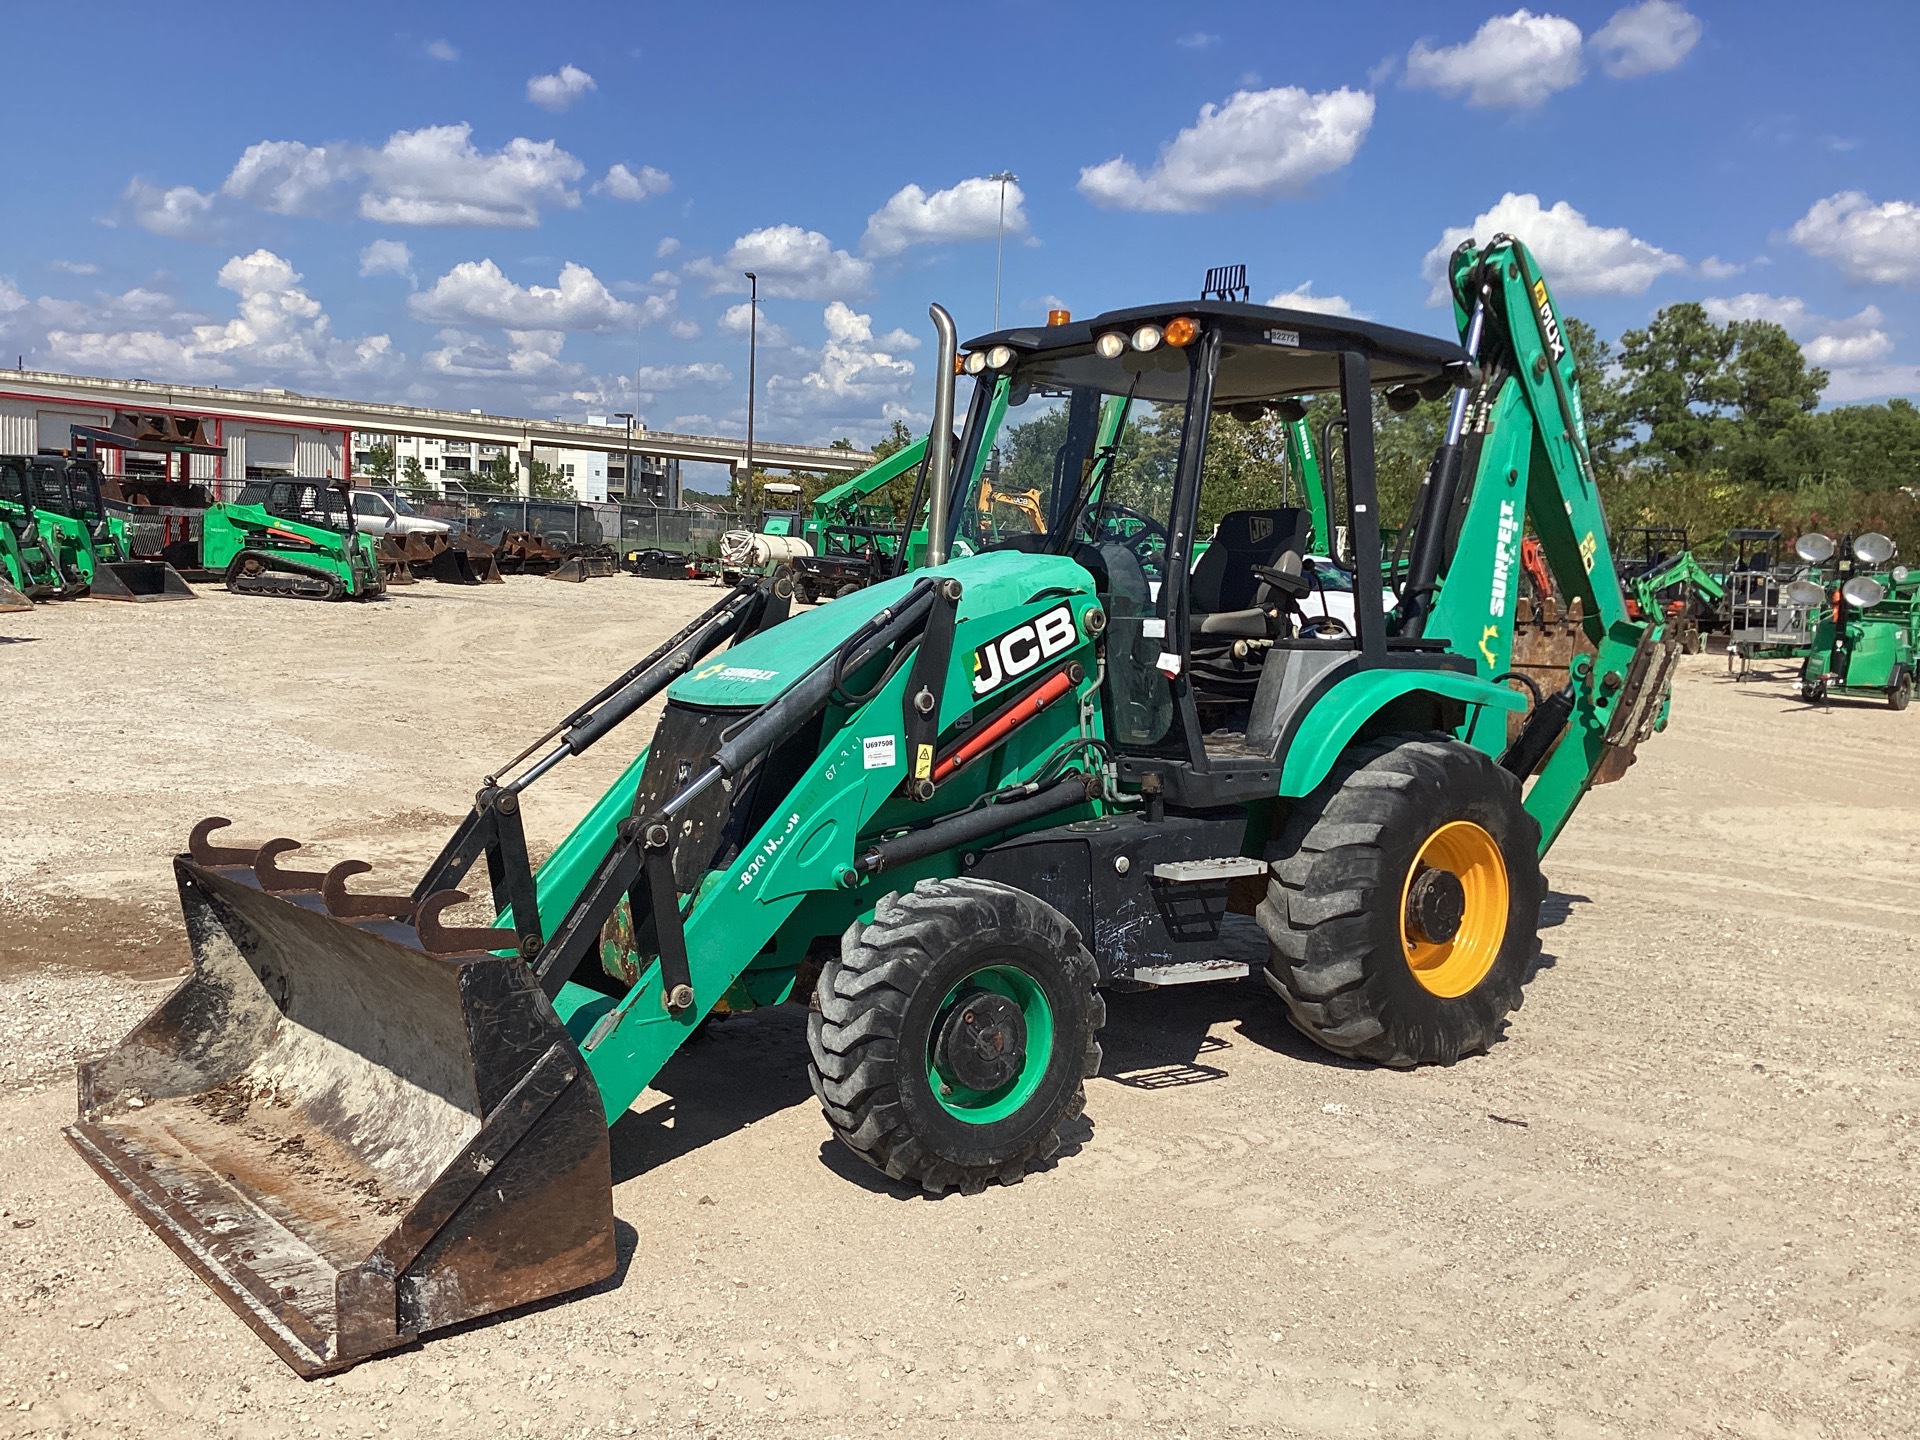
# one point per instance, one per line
(1525, 459)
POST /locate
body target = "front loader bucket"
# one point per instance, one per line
(12, 599)
(139, 580)
(352, 1140)
(449, 566)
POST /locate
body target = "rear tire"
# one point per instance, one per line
(954, 976)
(1404, 823)
(1900, 693)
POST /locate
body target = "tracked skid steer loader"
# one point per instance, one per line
(947, 810)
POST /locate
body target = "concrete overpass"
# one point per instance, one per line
(33, 405)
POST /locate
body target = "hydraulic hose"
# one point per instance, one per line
(971, 825)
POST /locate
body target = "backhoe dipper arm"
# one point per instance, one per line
(1533, 466)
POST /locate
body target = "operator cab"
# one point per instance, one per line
(1210, 542)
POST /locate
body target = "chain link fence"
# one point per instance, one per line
(624, 527)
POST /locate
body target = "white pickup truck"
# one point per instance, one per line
(377, 514)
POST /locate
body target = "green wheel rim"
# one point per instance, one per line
(983, 1107)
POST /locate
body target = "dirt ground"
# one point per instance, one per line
(1679, 1199)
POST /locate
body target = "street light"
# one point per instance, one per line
(1006, 178)
(753, 337)
(626, 465)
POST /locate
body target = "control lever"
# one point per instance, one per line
(1296, 587)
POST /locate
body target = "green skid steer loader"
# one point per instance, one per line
(31, 567)
(91, 539)
(948, 809)
(299, 542)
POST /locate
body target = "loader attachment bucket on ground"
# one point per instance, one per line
(351, 1139)
(12, 599)
(139, 580)
(449, 566)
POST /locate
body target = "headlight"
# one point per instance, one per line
(1872, 548)
(1147, 337)
(1814, 548)
(976, 362)
(1863, 592)
(1804, 593)
(1900, 573)
(1000, 356)
(1111, 345)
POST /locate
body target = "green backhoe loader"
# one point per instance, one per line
(946, 811)
(856, 541)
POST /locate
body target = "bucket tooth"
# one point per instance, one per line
(345, 905)
(351, 1142)
(272, 877)
(208, 854)
(438, 939)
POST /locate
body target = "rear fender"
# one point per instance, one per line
(1347, 710)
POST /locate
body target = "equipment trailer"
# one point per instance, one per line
(972, 794)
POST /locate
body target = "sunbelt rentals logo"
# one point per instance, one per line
(1506, 553)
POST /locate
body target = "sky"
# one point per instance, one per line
(545, 210)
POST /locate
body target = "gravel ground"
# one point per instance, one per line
(1677, 1200)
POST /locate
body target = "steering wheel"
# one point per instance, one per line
(1144, 537)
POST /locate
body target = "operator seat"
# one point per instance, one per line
(1224, 590)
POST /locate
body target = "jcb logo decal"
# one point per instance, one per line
(1549, 323)
(1021, 649)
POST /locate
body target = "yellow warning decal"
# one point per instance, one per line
(923, 762)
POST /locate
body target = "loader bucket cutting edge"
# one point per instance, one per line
(353, 1142)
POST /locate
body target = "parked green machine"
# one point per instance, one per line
(298, 542)
(964, 799)
(90, 538)
(1865, 637)
(854, 542)
(31, 564)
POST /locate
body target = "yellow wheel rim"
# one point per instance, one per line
(1448, 958)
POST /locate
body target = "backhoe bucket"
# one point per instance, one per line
(139, 580)
(352, 1139)
(12, 599)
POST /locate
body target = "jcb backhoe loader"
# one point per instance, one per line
(965, 798)
(92, 540)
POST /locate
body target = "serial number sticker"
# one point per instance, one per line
(1155, 629)
(1283, 337)
(880, 752)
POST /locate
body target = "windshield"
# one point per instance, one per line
(401, 506)
(1085, 454)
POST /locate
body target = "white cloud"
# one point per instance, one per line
(387, 257)
(74, 267)
(1197, 40)
(560, 89)
(793, 264)
(278, 332)
(1714, 268)
(680, 377)
(1301, 297)
(1836, 345)
(1259, 146)
(967, 211)
(667, 246)
(529, 356)
(852, 378)
(289, 178)
(179, 213)
(1577, 256)
(736, 319)
(476, 292)
(1512, 60)
(442, 50)
(1872, 244)
(436, 176)
(1647, 38)
(624, 184)
(431, 176)
(683, 329)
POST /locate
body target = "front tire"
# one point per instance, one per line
(953, 1033)
(1403, 914)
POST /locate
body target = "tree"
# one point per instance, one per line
(547, 482)
(494, 477)
(380, 463)
(414, 481)
(1602, 401)
(897, 438)
(1677, 386)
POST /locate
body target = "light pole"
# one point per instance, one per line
(1006, 178)
(753, 338)
(626, 465)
